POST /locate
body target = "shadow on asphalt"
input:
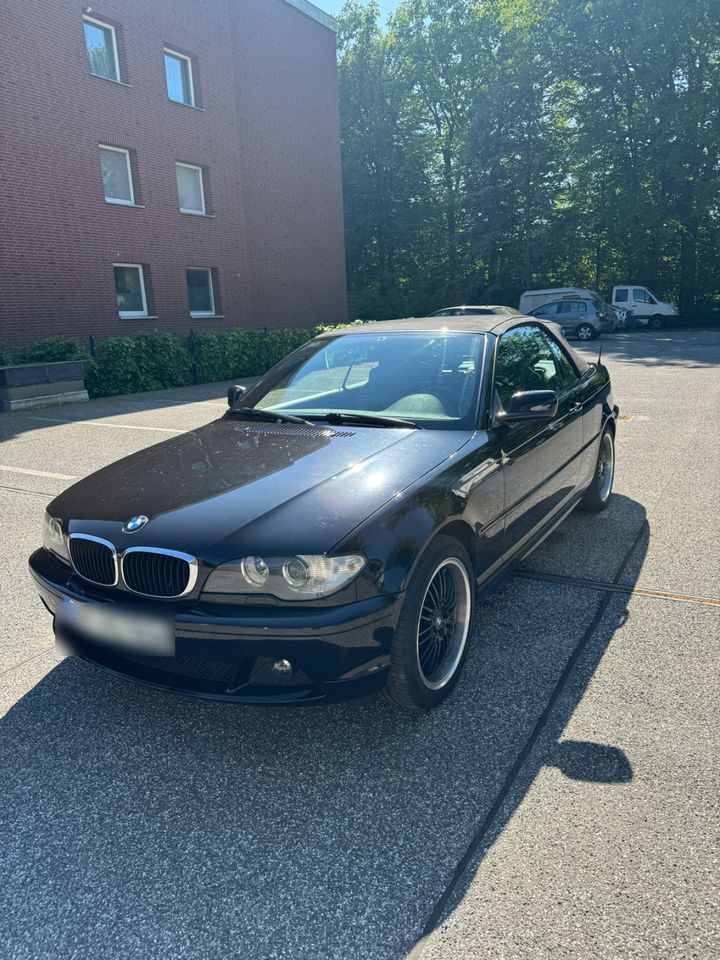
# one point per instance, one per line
(138, 824)
(661, 348)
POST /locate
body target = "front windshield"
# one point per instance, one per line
(429, 378)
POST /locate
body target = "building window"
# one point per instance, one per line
(101, 46)
(191, 193)
(117, 175)
(178, 75)
(200, 292)
(130, 289)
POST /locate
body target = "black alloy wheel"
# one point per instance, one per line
(434, 628)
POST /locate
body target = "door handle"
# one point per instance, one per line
(575, 408)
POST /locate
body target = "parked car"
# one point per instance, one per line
(584, 318)
(475, 312)
(642, 307)
(532, 299)
(325, 537)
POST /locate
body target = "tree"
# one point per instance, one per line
(494, 145)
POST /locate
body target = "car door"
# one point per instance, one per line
(540, 460)
(643, 302)
(570, 314)
(622, 298)
(547, 311)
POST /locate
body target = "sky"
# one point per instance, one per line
(333, 6)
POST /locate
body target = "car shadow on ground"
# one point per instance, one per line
(138, 824)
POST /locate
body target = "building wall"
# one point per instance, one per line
(267, 132)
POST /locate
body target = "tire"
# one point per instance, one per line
(657, 322)
(422, 675)
(585, 332)
(597, 495)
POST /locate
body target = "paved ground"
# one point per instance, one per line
(564, 803)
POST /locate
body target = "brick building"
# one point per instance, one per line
(168, 166)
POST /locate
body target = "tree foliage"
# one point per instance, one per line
(494, 145)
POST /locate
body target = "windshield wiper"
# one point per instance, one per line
(253, 413)
(370, 419)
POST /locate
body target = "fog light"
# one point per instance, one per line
(283, 668)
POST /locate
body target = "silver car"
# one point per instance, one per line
(585, 319)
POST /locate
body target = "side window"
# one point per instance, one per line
(640, 295)
(572, 306)
(528, 359)
(565, 372)
(547, 310)
(621, 296)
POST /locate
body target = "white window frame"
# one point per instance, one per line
(193, 166)
(130, 314)
(203, 313)
(188, 60)
(106, 26)
(117, 200)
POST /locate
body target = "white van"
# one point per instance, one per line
(532, 299)
(642, 306)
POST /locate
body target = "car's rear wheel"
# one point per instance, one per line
(597, 495)
(585, 331)
(657, 322)
(433, 631)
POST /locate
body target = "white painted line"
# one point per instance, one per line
(102, 423)
(36, 473)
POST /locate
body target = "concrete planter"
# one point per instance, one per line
(39, 384)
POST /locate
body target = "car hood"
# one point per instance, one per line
(234, 487)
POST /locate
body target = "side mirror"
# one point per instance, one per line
(235, 393)
(529, 406)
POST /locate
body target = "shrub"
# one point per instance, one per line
(155, 361)
(211, 356)
(116, 369)
(162, 361)
(242, 353)
(51, 350)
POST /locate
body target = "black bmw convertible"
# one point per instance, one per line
(326, 538)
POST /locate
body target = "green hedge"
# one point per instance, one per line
(49, 350)
(155, 361)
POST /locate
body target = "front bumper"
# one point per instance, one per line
(227, 652)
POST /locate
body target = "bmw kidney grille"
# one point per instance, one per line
(148, 571)
(94, 559)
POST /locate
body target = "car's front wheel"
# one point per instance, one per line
(433, 630)
(585, 331)
(657, 322)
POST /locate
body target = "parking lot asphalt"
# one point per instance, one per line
(563, 803)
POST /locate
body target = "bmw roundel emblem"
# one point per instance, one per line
(135, 524)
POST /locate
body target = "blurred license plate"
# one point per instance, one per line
(120, 629)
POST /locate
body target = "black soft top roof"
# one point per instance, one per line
(493, 323)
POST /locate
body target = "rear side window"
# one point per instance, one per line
(621, 296)
(572, 306)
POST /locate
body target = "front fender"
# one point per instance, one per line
(464, 497)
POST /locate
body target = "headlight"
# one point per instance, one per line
(287, 578)
(53, 537)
